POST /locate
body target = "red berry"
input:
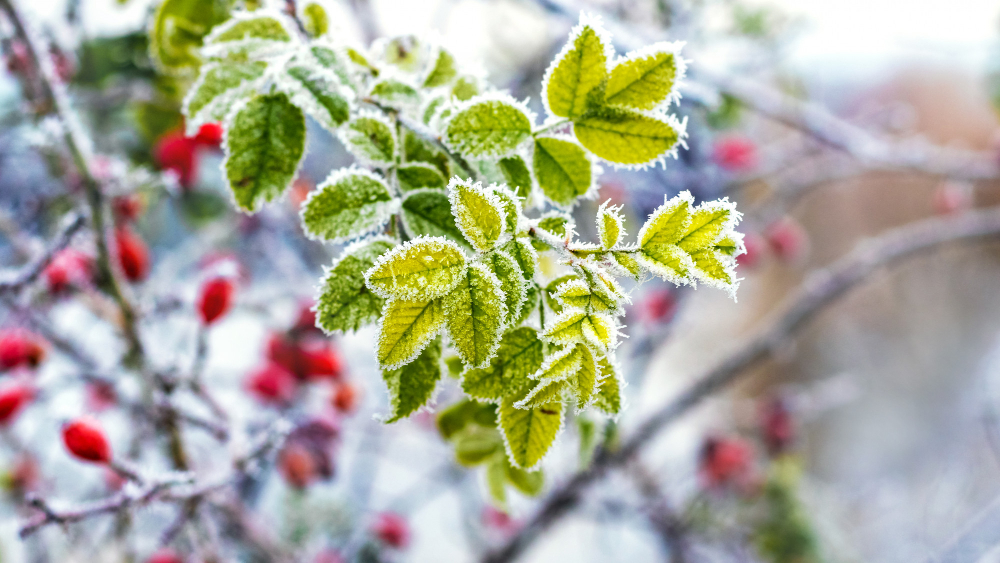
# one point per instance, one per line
(777, 426)
(101, 396)
(392, 530)
(165, 555)
(69, 267)
(209, 134)
(127, 208)
(176, 153)
(306, 321)
(85, 439)
(952, 197)
(725, 461)
(319, 362)
(297, 465)
(133, 255)
(346, 397)
(498, 520)
(659, 305)
(20, 348)
(273, 384)
(13, 397)
(755, 246)
(215, 298)
(788, 239)
(735, 154)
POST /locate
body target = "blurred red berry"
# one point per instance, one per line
(329, 556)
(215, 298)
(297, 466)
(952, 197)
(18, 59)
(306, 321)
(69, 267)
(101, 396)
(319, 362)
(659, 305)
(133, 255)
(755, 246)
(165, 555)
(777, 426)
(346, 397)
(20, 348)
(301, 188)
(787, 239)
(273, 384)
(85, 439)
(63, 65)
(176, 153)
(13, 397)
(498, 520)
(735, 154)
(127, 208)
(392, 530)
(209, 134)
(725, 461)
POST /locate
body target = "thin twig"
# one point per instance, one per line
(29, 273)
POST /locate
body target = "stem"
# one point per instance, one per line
(550, 126)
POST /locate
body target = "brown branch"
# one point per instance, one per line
(29, 273)
(820, 288)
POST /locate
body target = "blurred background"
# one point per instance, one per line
(872, 435)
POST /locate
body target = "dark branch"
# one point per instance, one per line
(29, 273)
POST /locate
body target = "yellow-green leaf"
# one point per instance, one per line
(511, 282)
(563, 170)
(646, 78)
(577, 70)
(475, 312)
(610, 224)
(529, 433)
(627, 137)
(412, 385)
(488, 127)
(350, 203)
(443, 71)
(478, 212)
(407, 326)
(421, 269)
(371, 138)
(344, 302)
(519, 356)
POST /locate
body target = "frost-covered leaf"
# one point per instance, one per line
(475, 311)
(478, 212)
(421, 269)
(529, 433)
(609, 389)
(443, 71)
(344, 302)
(627, 137)
(244, 26)
(658, 238)
(557, 224)
(511, 283)
(645, 79)
(488, 127)
(404, 51)
(264, 144)
(432, 107)
(178, 28)
(532, 296)
(521, 250)
(627, 262)
(511, 206)
(478, 445)
(573, 325)
(573, 369)
(217, 88)
(519, 356)
(553, 287)
(465, 88)
(610, 225)
(371, 138)
(547, 391)
(516, 175)
(315, 20)
(396, 93)
(416, 175)
(563, 169)
(528, 482)
(411, 386)
(416, 149)
(332, 59)
(350, 203)
(708, 221)
(577, 70)
(319, 94)
(407, 326)
(428, 212)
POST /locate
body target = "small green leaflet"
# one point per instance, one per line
(403, 51)
(314, 19)
(478, 212)
(416, 175)
(330, 58)
(610, 225)
(464, 413)
(477, 445)
(527, 258)
(178, 28)
(529, 434)
(510, 204)
(475, 311)
(488, 127)
(412, 386)
(265, 141)
(609, 389)
(217, 88)
(578, 69)
(428, 212)
(573, 369)
(351, 203)
(416, 149)
(421, 269)
(627, 137)
(574, 325)
(519, 356)
(443, 71)
(645, 79)
(511, 283)
(658, 238)
(245, 26)
(318, 93)
(395, 93)
(406, 328)
(465, 88)
(371, 138)
(516, 175)
(563, 169)
(344, 302)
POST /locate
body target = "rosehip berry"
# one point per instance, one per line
(306, 321)
(952, 197)
(319, 362)
(85, 439)
(13, 397)
(392, 530)
(659, 305)
(20, 348)
(69, 267)
(215, 299)
(735, 154)
(273, 384)
(346, 397)
(725, 461)
(209, 134)
(787, 239)
(165, 555)
(755, 246)
(127, 208)
(176, 153)
(133, 255)
(297, 465)
(497, 520)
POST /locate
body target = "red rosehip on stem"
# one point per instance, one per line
(297, 465)
(273, 384)
(127, 208)
(215, 298)
(735, 154)
(725, 461)
(69, 267)
(13, 397)
(209, 135)
(20, 348)
(133, 255)
(165, 555)
(391, 529)
(319, 361)
(787, 239)
(346, 397)
(85, 439)
(176, 153)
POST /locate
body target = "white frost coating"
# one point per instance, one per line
(588, 335)
(345, 132)
(570, 224)
(607, 325)
(673, 47)
(497, 289)
(510, 452)
(267, 47)
(328, 270)
(612, 212)
(729, 262)
(382, 210)
(421, 341)
(306, 100)
(603, 277)
(433, 244)
(466, 221)
(616, 372)
(495, 96)
(204, 115)
(678, 125)
(519, 211)
(593, 21)
(571, 288)
(522, 292)
(671, 203)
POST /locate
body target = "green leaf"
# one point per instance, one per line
(527, 258)
(351, 203)
(395, 93)
(416, 175)
(610, 225)
(178, 28)
(465, 88)
(609, 390)
(265, 141)
(628, 137)
(411, 386)
(332, 59)
(519, 356)
(496, 480)
(443, 71)
(707, 224)
(548, 391)
(477, 445)
(248, 26)
(217, 88)
(658, 238)
(371, 139)
(478, 212)
(403, 51)
(556, 223)
(572, 326)
(574, 369)
(421, 269)
(416, 149)
(528, 433)
(645, 79)
(488, 127)
(511, 283)
(511, 206)
(344, 302)
(516, 175)
(406, 328)
(563, 169)
(428, 212)
(531, 302)
(433, 106)
(475, 310)
(317, 92)
(460, 415)
(314, 19)
(528, 482)
(627, 263)
(553, 287)
(577, 70)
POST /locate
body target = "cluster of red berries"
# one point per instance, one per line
(20, 351)
(178, 153)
